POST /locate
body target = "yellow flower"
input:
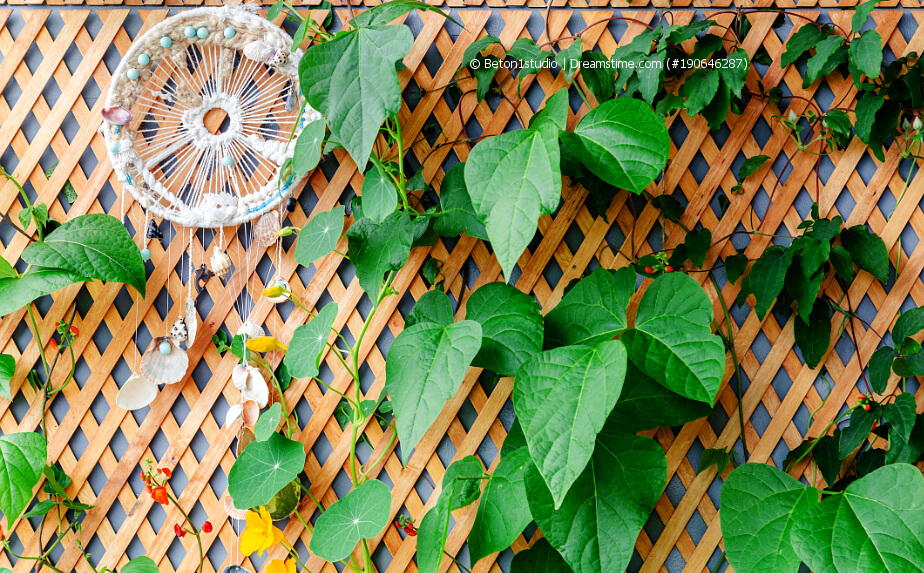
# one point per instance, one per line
(265, 344)
(273, 291)
(260, 533)
(277, 566)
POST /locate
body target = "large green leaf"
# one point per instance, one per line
(459, 215)
(303, 358)
(376, 248)
(503, 513)
(263, 469)
(512, 178)
(644, 404)
(392, 10)
(95, 246)
(562, 398)
(352, 81)
(362, 514)
(22, 458)
(593, 311)
(540, 558)
(867, 250)
(908, 324)
(622, 141)
(379, 195)
(141, 564)
(425, 367)
(760, 507)
(511, 327)
(866, 53)
(877, 524)
(7, 370)
(672, 341)
(319, 237)
(599, 520)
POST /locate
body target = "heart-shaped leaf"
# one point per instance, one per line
(95, 246)
(352, 81)
(263, 469)
(503, 513)
(433, 306)
(379, 195)
(22, 458)
(319, 237)
(377, 248)
(672, 341)
(622, 141)
(760, 507)
(308, 147)
(599, 520)
(644, 404)
(267, 423)
(425, 367)
(593, 311)
(304, 355)
(877, 524)
(362, 514)
(511, 327)
(562, 398)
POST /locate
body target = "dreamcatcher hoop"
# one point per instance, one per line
(199, 114)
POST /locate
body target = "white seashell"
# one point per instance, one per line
(259, 51)
(284, 284)
(192, 321)
(255, 389)
(136, 393)
(220, 263)
(279, 58)
(179, 330)
(117, 115)
(163, 368)
(243, 374)
(264, 231)
(250, 330)
(234, 513)
(236, 568)
(234, 414)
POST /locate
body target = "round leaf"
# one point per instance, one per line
(362, 514)
(319, 237)
(263, 469)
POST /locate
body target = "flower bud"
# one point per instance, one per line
(286, 231)
(793, 118)
(906, 125)
(273, 291)
(917, 124)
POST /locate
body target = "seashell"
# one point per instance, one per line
(234, 413)
(242, 375)
(259, 51)
(250, 414)
(234, 513)
(217, 208)
(255, 389)
(236, 568)
(136, 393)
(117, 115)
(220, 263)
(179, 330)
(191, 319)
(264, 232)
(284, 284)
(247, 438)
(250, 330)
(164, 362)
(279, 58)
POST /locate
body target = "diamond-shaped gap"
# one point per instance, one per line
(29, 126)
(11, 92)
(81, 372)
(51, 92)
(90, 92)
(801, 419)
(487, 451)
(718, 419)
(95, 550)
(909, 240)
(366, 378)
(342, 484)
(99, 408)
(467, 414)
(176, 552)
(201, 375)
(118, 444)
(22, 336)
(655, 237)
(699, 167)
(33, 58)
(760, 419)
(97, 478)
(552, 273)
(424, 486)
(866, 167)
(218, 481)
(216, 554)
(675, 561)
(159, 445)
(199, 445)
(845, 347)
(178, 481)
(721, 135)
(473, 128)
(803, 205)
(116, 515)
(321, 448)
(654, 527)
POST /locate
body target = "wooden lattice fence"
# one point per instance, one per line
(55, 64)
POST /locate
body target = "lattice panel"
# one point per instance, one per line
(54, 67)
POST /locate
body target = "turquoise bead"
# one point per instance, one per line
(190, 32)
(144, 59)
(227, 161)
(132, 74)
(202, 32)
(115, 147)
(165, 347)
(230, 32)
(166, 42)
(145, 254)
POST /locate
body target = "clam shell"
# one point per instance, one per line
(264, 231)
(234, 413)
(136, 393)
(250, 330)
(117, 115)
(234, 513)
(164, 368)
(256, 390)
(192, 321)
(259, 51)
(251, 414)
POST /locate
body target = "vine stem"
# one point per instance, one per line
(192, 527)
(734, 353)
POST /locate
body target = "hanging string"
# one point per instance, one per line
(137, 303)
(171, 234)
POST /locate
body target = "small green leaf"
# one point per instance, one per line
(866, 53)
(670, 207)
(597, 75)
(462, 482)
(511, 327)
(867, 250)
(275, 10)
(458, 213)
(392, 10)
(434, 307)
(41, 508)
(7, 371)
(880, 368)
(503, 513)
(475, 48)
(377, 248)
(803, 40)
(484, 68)
(760, 507)
(700, 89)
(593, 311)
(901, 414)
(825, 52)
(379, 195)
(735, 71)
(56, 481)
(861, 15)
(267, 423)
(766, 279)
(698, 243)
(714, 457)
(854, 435)
(362, 514)
(22, 458)
(751, 165)
(263, 469)
(308, 146)
(426, 365)
(735, 266)
(827, 458)
(562, 398)
(908, 324)
(303, 357)
(141, 564)
(814, 337)
(96, 246)
(569, 59)
(842, 263)
(319, 237)
(867, 107)
(540, 558)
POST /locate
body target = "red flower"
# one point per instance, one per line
(160, 495)
(410, 530)
(867, 407)
(74, 331)
(668, 269)
(53, 345)
(180, 532)
(166, 471)
(649, 270)
(207, 527)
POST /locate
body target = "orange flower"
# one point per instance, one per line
(167, 472)
(160, 495)
(278, 566)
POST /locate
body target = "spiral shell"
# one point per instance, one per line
(161, 368)
(179, 330)
(264, 231)
(220, 263)
(136, 393)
